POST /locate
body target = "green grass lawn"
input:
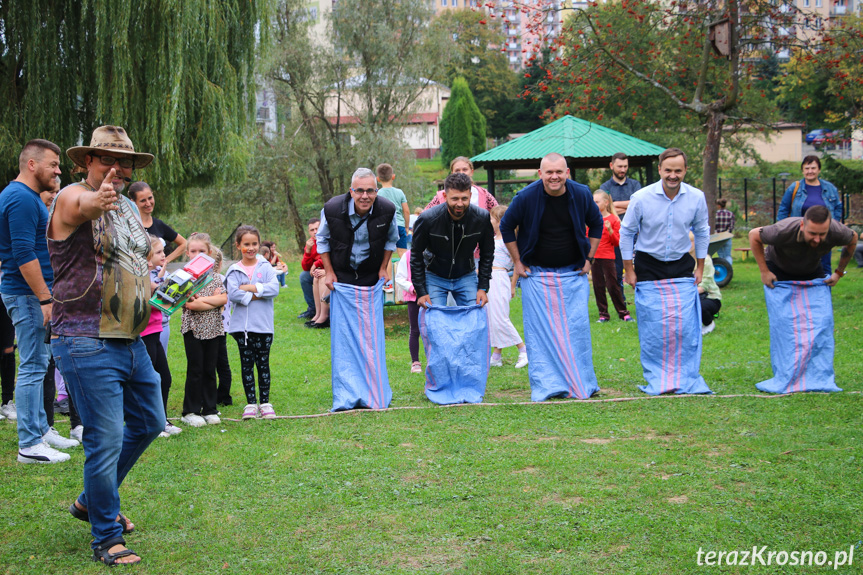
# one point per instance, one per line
(560, 487)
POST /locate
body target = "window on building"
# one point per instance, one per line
(818, 3)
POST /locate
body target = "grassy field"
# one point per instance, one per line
(561, 487)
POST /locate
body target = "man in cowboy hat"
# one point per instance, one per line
(26, 289)
(98, 250)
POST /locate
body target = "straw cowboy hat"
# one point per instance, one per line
(109, 139)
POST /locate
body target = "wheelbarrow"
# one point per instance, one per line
(724, 271)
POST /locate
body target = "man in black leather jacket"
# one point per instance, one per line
(442, 250)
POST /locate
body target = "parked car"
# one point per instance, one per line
(831, 141)
(815, 133)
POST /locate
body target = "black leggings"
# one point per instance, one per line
(201, 356)
(223, 368)
(255, 350)
(414, 339)
(7, 360)
(160, 363)
(49, 390)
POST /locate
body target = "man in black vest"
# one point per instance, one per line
(358, 233)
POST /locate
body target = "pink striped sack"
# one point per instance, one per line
(357, 350)
(669, 331)
(801, 337)
(557, 335)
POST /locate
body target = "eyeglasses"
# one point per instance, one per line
(111, 160)
(366, 192)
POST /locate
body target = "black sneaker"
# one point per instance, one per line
(61, 407)
(309, 313)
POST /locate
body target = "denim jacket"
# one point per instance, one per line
(828, 193)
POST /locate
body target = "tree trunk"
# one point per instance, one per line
(710, 171)
(299, 226)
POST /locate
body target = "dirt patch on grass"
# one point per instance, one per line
(679, 499)
(597, 440)
(407, 445)
(529, 469)
(558, 499)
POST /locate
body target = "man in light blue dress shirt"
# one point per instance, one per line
(662, 214)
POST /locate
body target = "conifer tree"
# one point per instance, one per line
(462, 127)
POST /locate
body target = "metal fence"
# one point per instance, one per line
(755, 201)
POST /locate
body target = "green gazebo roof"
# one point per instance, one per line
(583, 144)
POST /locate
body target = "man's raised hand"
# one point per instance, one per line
(106, 193)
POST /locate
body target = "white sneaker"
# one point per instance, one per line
(77, 433)
(41, 453)
(705, 329)
(172, 429)
(194, 420)
(8, 410)
(496, 362)
(164, 434)
(54, 439)
(522, 361)
(212, 419)
(2, 417)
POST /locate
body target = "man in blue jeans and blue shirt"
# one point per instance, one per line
(26, 289)
(444, 241)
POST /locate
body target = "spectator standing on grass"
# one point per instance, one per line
(808, 192)
(724, 223)
(603, 270)
(620, 187)
(142, 195)
(252, 287)
(403, 279)
(310, 260)
(223, 365)
(150, 335)
(26, 289)
(201, 327)
(502, 332)
(386, 177)
(479, 196)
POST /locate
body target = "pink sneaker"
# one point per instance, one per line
(267, 411)
(250, 411)
(416, 367)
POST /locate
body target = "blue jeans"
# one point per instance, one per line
(723, 251)
(33, 355)
(111, 382)
(463, 289)
(306, 280)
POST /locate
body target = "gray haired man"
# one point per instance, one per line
(358, 233)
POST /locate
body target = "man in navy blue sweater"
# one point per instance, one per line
(551, 215)
(26, 289)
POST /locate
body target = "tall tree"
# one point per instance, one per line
(697, 58)
(177, 76)
(478, 59)
(462, 127)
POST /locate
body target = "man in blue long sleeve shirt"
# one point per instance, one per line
(662, 215)
(26, 289)
(551, 215)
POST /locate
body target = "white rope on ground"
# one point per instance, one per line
(534, 403)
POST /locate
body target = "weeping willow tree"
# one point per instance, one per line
(178, 75)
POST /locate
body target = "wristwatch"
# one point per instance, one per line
(590, 259)
(841, 273)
